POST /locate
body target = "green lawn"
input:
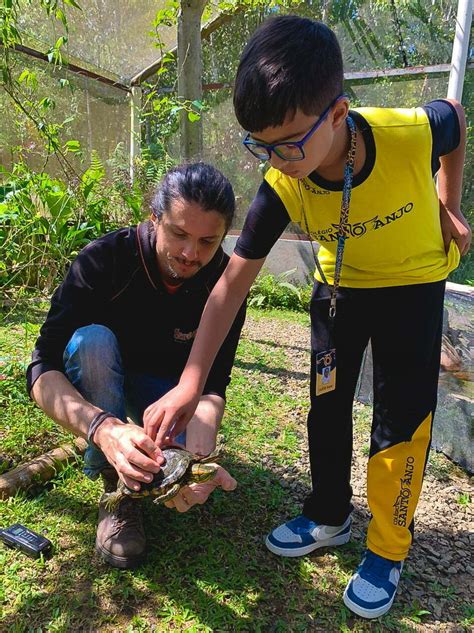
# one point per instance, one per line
(208, 570)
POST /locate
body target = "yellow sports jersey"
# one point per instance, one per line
(394, 233)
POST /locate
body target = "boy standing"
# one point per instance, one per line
(361, 183)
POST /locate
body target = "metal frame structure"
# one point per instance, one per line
(456, 70)
(460, 49)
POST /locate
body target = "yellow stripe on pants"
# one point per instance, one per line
(394, 480)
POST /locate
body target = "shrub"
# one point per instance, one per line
(270, 291)
(45, 222)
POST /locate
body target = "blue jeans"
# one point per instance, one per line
(93, 364)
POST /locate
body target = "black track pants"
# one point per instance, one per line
(404, 325)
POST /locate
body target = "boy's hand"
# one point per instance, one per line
(454, 226)
(166, 418)
(194, 494)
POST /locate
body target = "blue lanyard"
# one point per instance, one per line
(343, 220)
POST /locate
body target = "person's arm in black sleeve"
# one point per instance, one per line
(75, 303)
(445, 130)
(448, 128)
(265, 222)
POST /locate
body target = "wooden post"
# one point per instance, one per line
(135, 131)
(190, 74)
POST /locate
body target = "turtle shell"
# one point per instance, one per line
(172, 470)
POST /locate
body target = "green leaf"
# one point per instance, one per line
(73, 146)
(193, 116)
(286, 284)
(60, 42)
(47, 104)
(72, 3)
(88, 188)
(24, 76)
(60, 15)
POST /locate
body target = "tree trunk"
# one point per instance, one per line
(190, 75)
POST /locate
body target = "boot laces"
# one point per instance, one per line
(128, 514)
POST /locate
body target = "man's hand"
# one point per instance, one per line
(454, 226)
(167, 417)
(128, 448)
(194, 494)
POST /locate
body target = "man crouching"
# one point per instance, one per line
(118, 335)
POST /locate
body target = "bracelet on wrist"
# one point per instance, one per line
(95, 423)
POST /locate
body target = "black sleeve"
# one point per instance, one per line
(219, 376)
(265, 222)
(445, 130)
(77, 302)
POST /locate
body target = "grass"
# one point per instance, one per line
(208, 569)
(293, 316)
(464, 499)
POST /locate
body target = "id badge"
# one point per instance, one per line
(325, 372)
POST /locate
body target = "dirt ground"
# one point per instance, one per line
(439, 572)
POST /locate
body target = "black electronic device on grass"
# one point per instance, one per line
(20, 537)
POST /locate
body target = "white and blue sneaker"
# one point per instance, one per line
(371, 590)
(301, 536)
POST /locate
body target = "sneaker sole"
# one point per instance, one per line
(121, 562)
(366, 613)
(301, 551)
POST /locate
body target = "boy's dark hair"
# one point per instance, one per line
(289, 63)
(196, 182)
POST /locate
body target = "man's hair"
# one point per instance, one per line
(290, 63)
(196, 182)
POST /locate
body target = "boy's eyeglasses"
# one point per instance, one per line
(286, 150)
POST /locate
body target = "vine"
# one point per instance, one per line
(21, 87)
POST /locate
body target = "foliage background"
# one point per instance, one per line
(65, 138)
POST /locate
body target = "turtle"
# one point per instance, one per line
(179, 469)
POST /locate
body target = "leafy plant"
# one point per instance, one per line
(44, 221)
(21, 84)
(417, 614)
(464, 499)
(270, 291)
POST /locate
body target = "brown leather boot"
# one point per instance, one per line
(120, 535)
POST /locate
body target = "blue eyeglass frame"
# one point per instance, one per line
(249, 143)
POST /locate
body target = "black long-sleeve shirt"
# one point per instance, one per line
(115, 281)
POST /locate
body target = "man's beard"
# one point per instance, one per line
(174, 274)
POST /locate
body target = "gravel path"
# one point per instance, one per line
(439, 573)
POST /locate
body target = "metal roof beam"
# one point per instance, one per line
(73, 66)
(364, 77)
